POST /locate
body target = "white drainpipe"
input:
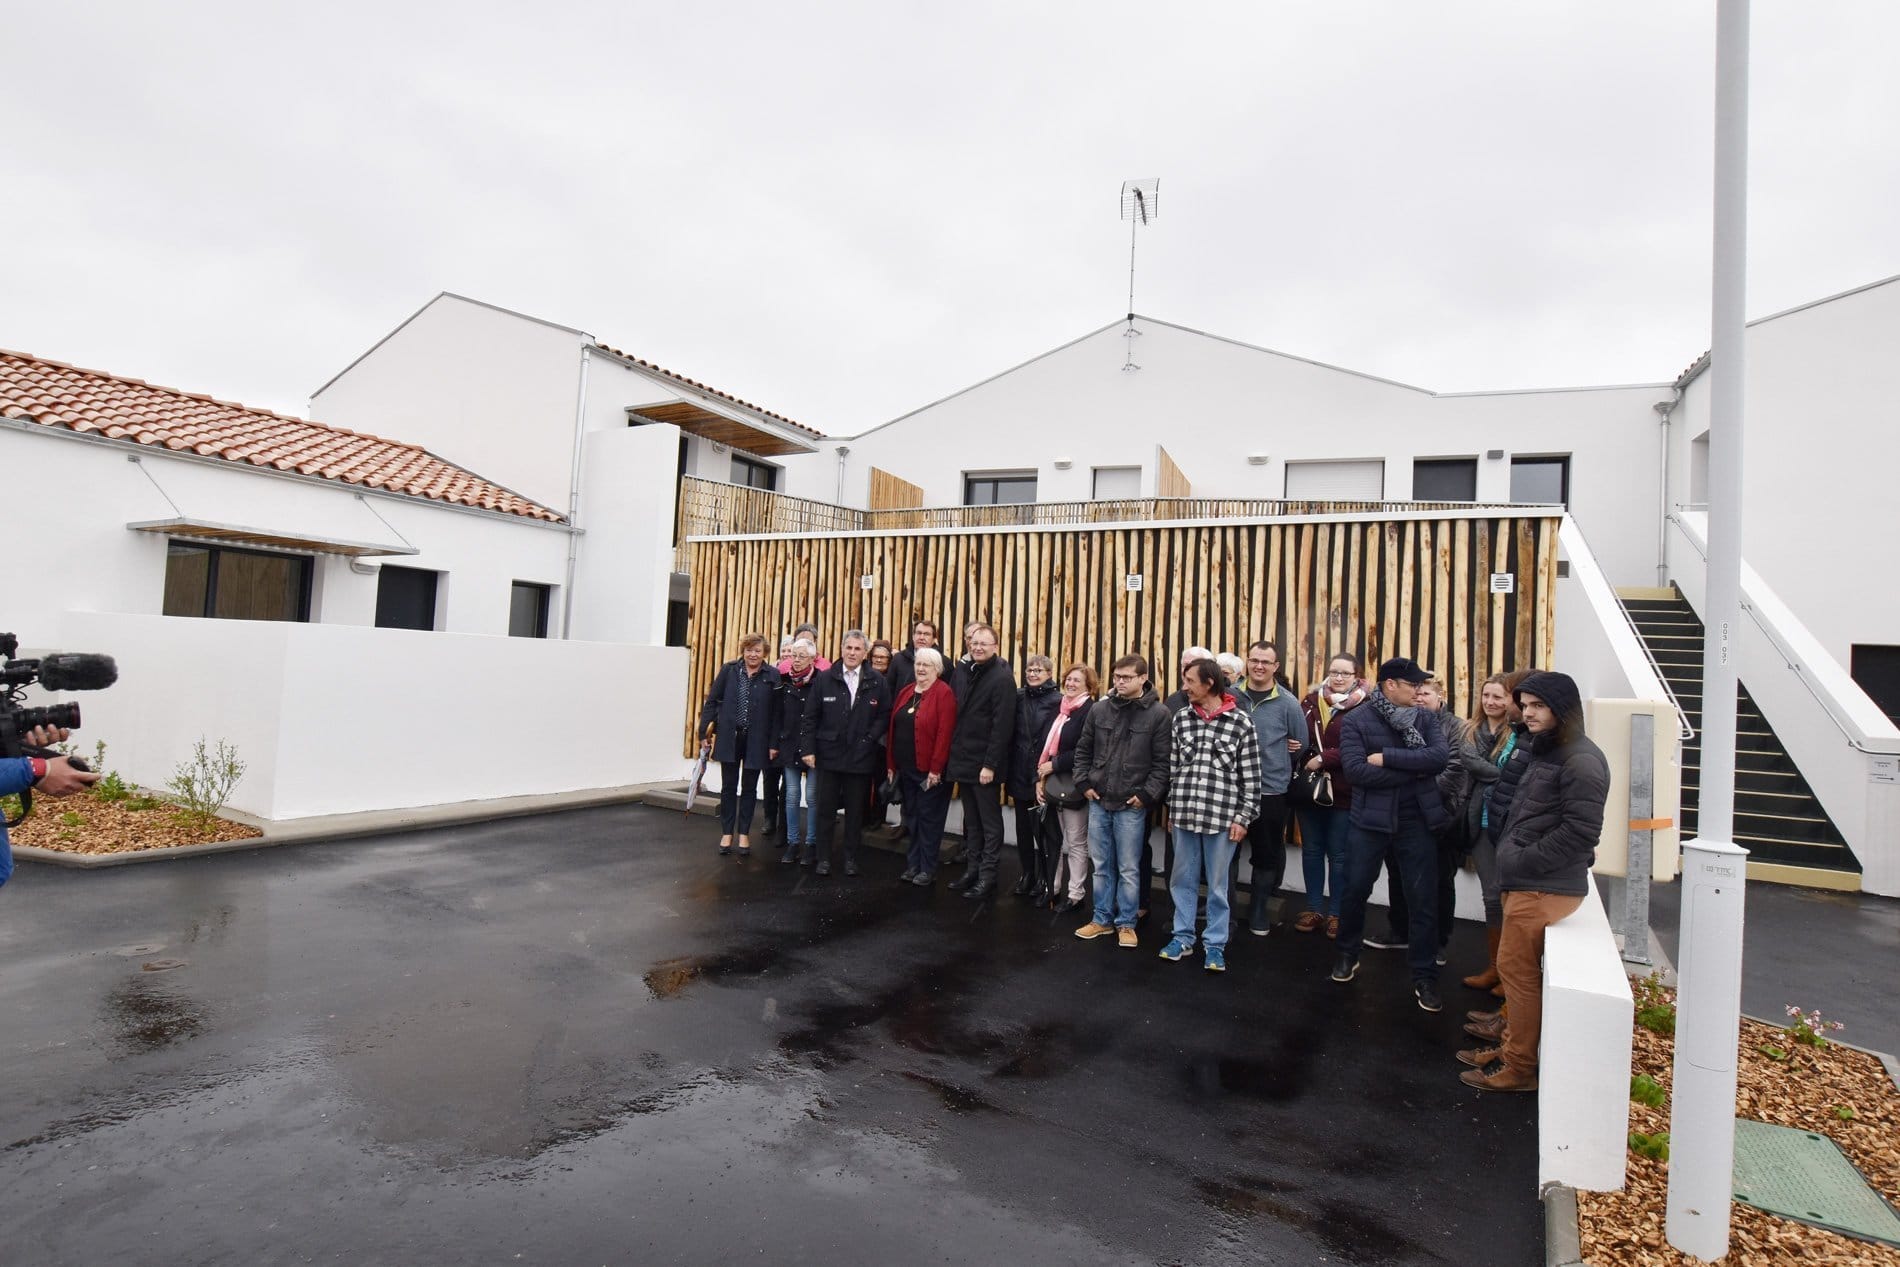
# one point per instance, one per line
(574, 500)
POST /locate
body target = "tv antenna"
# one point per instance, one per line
(1141, 202)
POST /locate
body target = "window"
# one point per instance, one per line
(1000, 488)
(1336, 481)
(1445, 480)
(528, 610)
(1117, 482)
(226, 583)
(405, 598)
(1877, 670)
(754, 474)
(676, 617)
(1541, 481)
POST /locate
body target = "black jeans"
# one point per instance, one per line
(982, 827)
(1417, 853)
(853, 791)
(1266, 848)
(925, 808)
(1028, 828)
(737, 792)
(1450, 855)
(771, 792)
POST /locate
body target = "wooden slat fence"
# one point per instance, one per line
(1376, 586)
(888, 492)
(1169, 481)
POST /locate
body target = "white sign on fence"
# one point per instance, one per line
(1504, 583)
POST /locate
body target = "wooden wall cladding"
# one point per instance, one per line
(891, 493)
(1417, 586)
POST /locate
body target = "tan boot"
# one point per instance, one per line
(1505, 1079)
(1481, 1057)
(1490, 1031)
(1489, 977)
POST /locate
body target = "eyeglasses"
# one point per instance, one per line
(1124, 677)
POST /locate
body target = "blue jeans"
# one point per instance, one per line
(1323, 856)
(1200, 857)
(924, 811)
(1115, 850)
(1416, 852)
(801, 796)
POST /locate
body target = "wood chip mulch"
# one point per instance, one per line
(110, 827)
(1627, 1227)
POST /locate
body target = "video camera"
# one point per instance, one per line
(72, 671)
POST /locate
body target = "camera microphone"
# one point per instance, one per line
(77, 671)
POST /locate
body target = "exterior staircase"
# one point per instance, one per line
(1777, 818)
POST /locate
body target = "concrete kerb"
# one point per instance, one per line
(1563, 1230)
(335, 827)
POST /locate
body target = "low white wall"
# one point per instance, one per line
(1583, 1106)
(1844, 746)
(337, 719)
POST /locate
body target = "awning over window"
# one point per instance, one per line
(699, 421)
(319, 541)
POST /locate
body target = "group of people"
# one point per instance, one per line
(1374, 772)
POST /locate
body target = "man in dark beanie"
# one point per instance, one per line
(1544, 860)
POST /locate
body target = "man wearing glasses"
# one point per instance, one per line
(1121, 768)
(1280, 726)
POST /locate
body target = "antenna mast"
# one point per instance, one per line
(1141, 202)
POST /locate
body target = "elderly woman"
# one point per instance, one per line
(1036, 706)
(922, 720)
(800, 790)
(1065, 835)
(739, 724)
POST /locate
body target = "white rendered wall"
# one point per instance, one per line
(1823, 397)
(338, 719)
(485, 389)
(1211, 402)
(1583, 1075)
(628, 496)
(82, 494)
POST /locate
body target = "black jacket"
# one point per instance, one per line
(986, 721)
(1407, 772)
(1556, 819)
(791, 715)
(846, 738)
(1123, 750)
(1035, 708)
(1497, 810)
(720, 712)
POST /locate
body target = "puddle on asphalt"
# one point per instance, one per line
(1344, 1229)
(668, 978)
(146, 1018)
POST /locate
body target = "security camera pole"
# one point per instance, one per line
(1714, 868)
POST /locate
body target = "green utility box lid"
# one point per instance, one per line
(1804, 1176)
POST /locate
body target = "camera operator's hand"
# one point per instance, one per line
(47, 736)
(62, 780)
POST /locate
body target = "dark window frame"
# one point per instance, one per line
(215, 551)
(753, 466)
(1561, 460)
(391, 571)
(545, 594)
(1444, 466)
(996, 480)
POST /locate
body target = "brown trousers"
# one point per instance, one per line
(1520, 967)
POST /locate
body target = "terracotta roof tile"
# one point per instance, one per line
(55, 394)
(710, 391)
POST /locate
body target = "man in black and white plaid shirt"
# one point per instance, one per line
(1215, 767)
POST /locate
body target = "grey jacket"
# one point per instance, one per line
(1275, 721)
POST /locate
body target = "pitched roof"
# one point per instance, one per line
(55, 394)
(698, 386)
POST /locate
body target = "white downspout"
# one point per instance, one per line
(843, 451)
(574, 499)
(1663, 409)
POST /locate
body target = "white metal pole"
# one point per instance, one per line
(1709, 983)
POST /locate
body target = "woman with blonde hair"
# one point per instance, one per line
(1065, 832)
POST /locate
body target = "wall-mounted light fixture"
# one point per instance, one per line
(1063, 464)
(1494, 455)
(1256, 459)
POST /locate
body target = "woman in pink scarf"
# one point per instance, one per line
(1055, 788)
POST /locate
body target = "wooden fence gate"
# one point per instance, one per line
(1425, 585)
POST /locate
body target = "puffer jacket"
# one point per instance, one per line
(1123, 751)
(1407, 772)
(986, 721)
(1497, 811)
(1035, 709)
(1556, 819)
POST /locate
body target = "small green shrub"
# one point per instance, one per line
(1646, 1090)
(1807, 1029)
(1773, 1052)
(1845, 1112)
(71, 818)
(203, 784)
(1655, 1147)
(139, 804)
(1655, 1004)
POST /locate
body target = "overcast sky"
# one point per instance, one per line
(843, 212)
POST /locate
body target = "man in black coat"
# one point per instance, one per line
(1544, 859)
(979, 757)
(847, 714)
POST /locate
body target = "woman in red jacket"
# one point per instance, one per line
(921, 721)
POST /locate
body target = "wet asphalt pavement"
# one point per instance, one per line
(586, 1038)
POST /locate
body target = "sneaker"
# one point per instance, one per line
(1426, 992)
(1127, 938)
(1216, 959)
(1390, 941)
(1091, 930)
(1176, 950)
(1440, 959)
(1262, 930)
(1309, 921)
(1345, 968)
(1332, 926)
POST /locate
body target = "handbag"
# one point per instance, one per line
(1314, 787)
(1060, 790)
(892, 793)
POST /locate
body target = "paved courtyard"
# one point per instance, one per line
(586, 1038)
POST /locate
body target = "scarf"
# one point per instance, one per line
(1402, 720)
(798, 679)
(1330, 704)
(1069, 704)
(1510, 746)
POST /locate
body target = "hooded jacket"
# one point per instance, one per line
(1556, 818)
(1123, 750)
(1214, 768)
(986, 721)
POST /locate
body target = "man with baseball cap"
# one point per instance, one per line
(1391, 751)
